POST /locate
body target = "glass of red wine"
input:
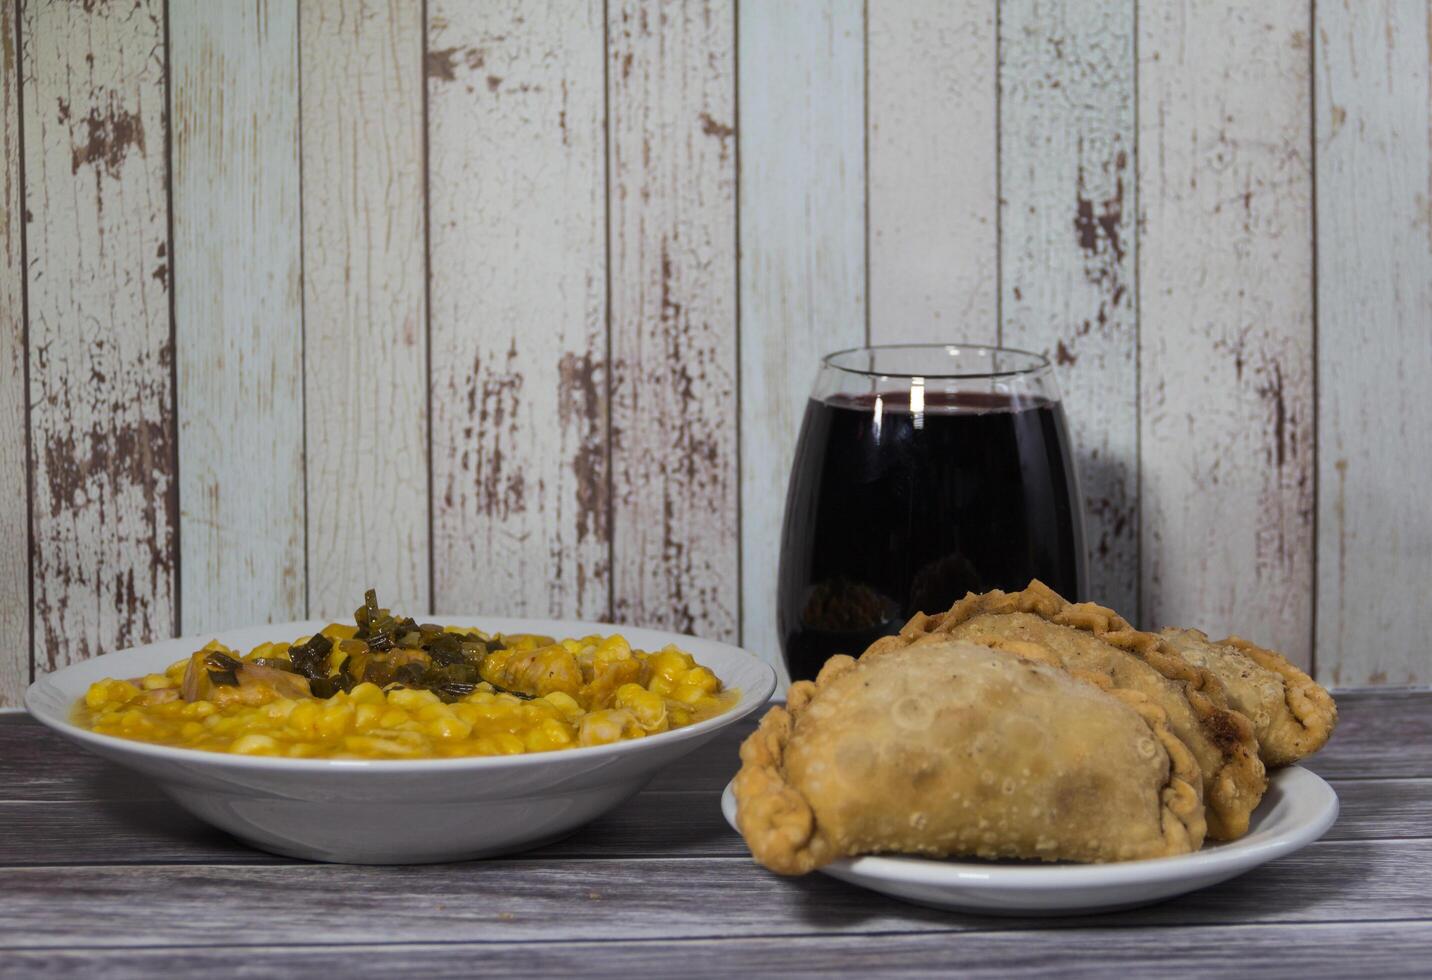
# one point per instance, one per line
(922, 472)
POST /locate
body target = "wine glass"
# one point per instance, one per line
(922, 472)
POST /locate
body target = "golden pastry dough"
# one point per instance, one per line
(943, 748)
(1087, 637)
(1292, 714)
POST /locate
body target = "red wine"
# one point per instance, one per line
(892, 512)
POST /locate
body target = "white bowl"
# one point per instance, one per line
(401, 811)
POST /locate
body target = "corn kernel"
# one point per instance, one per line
(448, 726)
(612, 649)
(374, 745)
(335, 719)
(367, 693)
(702, 678)
(507, 743)
(406, 698)
(688, 693)
(303, 719)
(564, 703)
(254, 745)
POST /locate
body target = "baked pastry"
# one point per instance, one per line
(1090, 638)
(1292, 714)
(944, 748)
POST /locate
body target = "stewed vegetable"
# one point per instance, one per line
(390, 687)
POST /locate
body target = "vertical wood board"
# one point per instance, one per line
(1068, 250)
(100, 352)
(14, 459)
(519, 388)
(1225, 273)
(802, 253)
(933, 183)
(237, 311)
(365, 309)
(675, 485)
(1374, 192)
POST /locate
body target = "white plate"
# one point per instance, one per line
(1298, 808)
(398, 811)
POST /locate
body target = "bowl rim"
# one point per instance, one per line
(752, 698)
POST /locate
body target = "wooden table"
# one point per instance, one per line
(98, 873)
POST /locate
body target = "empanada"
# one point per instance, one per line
(944, 748)
(1292, 714)
(1091, 638)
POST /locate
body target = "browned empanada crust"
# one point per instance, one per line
(946, 748)
(1292, 714)
(1222, 739)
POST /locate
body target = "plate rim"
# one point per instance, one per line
(752, 698)
(1227, 858)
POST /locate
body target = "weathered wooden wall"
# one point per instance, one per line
(513, 307)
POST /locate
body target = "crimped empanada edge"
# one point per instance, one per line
(1308, 701)
(1184, 817)
(1236, 788)
(775, 817)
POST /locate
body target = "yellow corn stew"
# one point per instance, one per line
(535, 695)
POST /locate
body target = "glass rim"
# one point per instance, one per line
(1038, 362)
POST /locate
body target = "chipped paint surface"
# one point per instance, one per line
(366, 363)
(14, 469)
(238, 324)
(531, 492)
(1067, 126)
(1374, 162)
(1225, 259)
(933, 189)
(518, 281)
(802, 254)
(102, 430)
(673, 255)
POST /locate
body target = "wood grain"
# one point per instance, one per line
(365, 308)
(519, 320)
(617, 897)
(100, 348)
(933, 178)
(1320, 950)
(654, 824)
(672, 164)
(1068, 247)
(1379, 734)
(14, 454)
(1224, 266)
(573, 900)
(802, 254)
(1374, 173)
(238, 319)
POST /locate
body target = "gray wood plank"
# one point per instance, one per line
(1306, 952)
(576, 900)
(36, 764)
(1379, 734)
(654, 824)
